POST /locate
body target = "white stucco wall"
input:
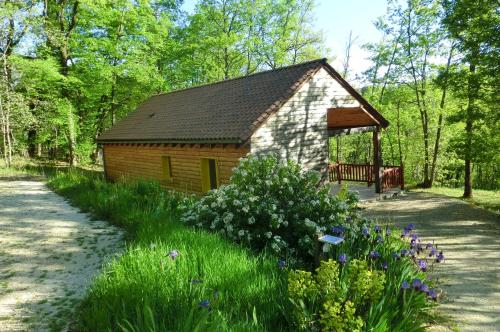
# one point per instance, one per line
(298, 131)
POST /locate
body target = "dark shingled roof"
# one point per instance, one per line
(223, 112)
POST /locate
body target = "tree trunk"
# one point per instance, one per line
(473, 88)
(440, 118)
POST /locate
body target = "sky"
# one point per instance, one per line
(336, 18)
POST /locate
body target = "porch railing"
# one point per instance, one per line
(392, 176)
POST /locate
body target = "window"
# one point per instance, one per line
(209, 174)
(166, 168)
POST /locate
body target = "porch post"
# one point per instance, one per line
(377, 161)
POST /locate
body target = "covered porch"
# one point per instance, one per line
(358, 120)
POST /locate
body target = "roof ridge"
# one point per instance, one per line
(321, 61)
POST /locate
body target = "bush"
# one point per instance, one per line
(336, 298)
(272, 205)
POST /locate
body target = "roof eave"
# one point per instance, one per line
(171, 141)
(384, 123)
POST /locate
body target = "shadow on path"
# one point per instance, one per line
(470, 239)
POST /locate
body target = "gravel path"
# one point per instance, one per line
(470, 239)
(49, 252)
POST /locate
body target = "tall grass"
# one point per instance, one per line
(211, 285)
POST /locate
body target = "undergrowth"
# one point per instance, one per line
(170, 277)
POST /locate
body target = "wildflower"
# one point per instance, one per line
(405, 285)
(405, 233)
(417, 283)
(412, 244)
(338, 230)
(395, 255)
(410, 227)
(342, 258)
(379, 239)
(365, 232)
(412, 252)
(282, 264)
(387, 231)
(422, 265)
(433, 252)
(440, 257)
(377, 229)
(404, 252)
(374, 254)
(385, 265)
(428, 245)
(424, 288)
(173, 254)
(433, 294)
(204, 304)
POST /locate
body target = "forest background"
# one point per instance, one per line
(72, 68)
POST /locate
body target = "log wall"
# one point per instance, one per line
(144, 161)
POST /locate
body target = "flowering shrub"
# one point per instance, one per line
(273, 205)
(331, 300)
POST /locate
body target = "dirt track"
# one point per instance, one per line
(49, 252)
(470, 239)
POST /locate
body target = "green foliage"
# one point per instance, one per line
(145, 289)
(272, 205)
(319, 301)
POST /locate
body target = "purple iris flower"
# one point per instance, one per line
(405, 285)
(385, 265)
(379, 239)
(440, 257)
(410, 227)
(412, 252)
(405, 233)
(412, 244)
(338, 230)
(281, 264)
(173, 254)
(377, 229)
(422, 265)
(342, 258)
(417, 283)
(366, 232)
(433, 294)
(424, 288)
(374, 254)
(428, 245)
(414, 237)
(433, 252)
(395, 255)
(204, 304)
(387, 231)
(404, 252)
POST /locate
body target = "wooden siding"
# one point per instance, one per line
(144, 161)
(299, 130)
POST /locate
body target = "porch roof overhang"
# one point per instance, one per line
(340, 119)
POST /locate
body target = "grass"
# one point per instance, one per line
(487, 199)
(146, 290)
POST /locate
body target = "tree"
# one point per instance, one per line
(61, 17)
(474, 26)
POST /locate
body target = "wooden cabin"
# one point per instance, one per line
(191, 139)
